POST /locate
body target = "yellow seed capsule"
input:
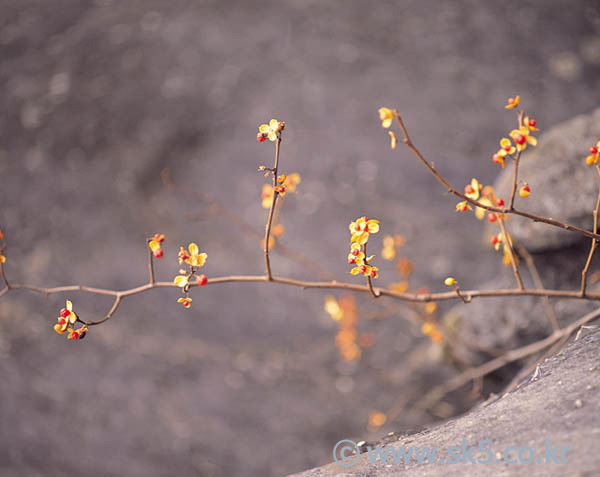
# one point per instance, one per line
(525, 191)
(450, 281)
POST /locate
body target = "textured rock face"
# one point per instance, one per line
(565, 188)
(559, 403)
(562, 186)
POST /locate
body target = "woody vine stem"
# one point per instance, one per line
(275, 134)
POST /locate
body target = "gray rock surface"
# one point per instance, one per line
(505, 323)
(563, 187)
(560, 403)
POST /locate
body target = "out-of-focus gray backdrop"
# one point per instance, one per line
(97, 97)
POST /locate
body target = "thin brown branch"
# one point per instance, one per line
(513, 258)
(593, 246)
(464, 299)
(491, 208)
(515, 171)
(538, 283)
(408, 297)
(151, 264)
(108, 315)
(369, 282)
(245, 227)
(272, 210)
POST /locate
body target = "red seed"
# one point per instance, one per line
(500, 202)
(492, 217)
(373, 274)
(496, 158)
(261, 137)
(593, 150)
(355, 252)
(201, 280)
(494, 240)
(362, 269)
(469, 189)
(158, 253)
(532, 122)
(351, 261)
(520, 139)
(64, 312)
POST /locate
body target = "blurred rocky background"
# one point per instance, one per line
(98, 97)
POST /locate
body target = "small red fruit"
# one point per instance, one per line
(593, 150)
(64, 313)
(492, 217)
(494, 240)
(158, 253)
(373, 274)
(351, 261)
(201, 280)
(520, 139)
(469, 189)
(261, 137)
(362, 268)
(500, 202)
(532, 122)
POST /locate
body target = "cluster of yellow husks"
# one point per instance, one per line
(66, 318)
(360, 231)
(519, 138)
(594, 156)
(195, 260)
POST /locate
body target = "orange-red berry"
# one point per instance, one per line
(492, 217)
(469, 189)
(355, 252)
(494, 240)
(593, 150)
(362, 268)
(500, 202)
(496, 158)
(158, 253)
(520, 139)
(373, 274)
(351, 261)
(261, 137)
(64, 313)
(160, 238)
(201, 280)
(532, 122)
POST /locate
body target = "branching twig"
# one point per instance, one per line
(151, 264)
(491, 208)
(272, 209)
(538, 283)
(593, 246)
(516, 171)
(513, 258)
